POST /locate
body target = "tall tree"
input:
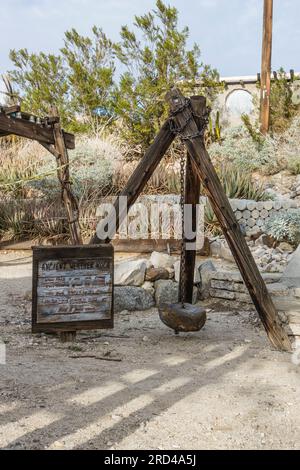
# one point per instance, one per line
(90, 64)
(41, 80)
(156, 57)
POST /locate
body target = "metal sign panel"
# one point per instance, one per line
(72, 288)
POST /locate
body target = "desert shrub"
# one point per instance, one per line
(282, 106)
(237, 185)
(293, 165)
(288, 147)
(92, 165)
(285, 226)
(19, 162)
(239, 149)
(16, 221)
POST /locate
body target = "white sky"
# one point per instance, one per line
(227, 31)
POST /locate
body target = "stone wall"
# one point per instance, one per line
(229, 286)
(251, 215)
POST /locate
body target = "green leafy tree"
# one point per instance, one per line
(41, 80)
(90, 65)
(78, 81)
(156, 58)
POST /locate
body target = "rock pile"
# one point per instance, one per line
(141, 284)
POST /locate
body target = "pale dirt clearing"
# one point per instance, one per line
(222, 388)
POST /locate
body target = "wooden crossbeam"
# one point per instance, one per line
(10, 109)
(184, 120)
(31, 130)
(137, 181)
(192, 195)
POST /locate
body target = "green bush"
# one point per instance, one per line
(246, 155)
(92, 166)
(285, 226)
(237, 185)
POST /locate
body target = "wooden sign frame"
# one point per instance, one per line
(79, 260)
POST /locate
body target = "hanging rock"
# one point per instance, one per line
(130, 273)
(132, 298)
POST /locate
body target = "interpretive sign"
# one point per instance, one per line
(72, 288)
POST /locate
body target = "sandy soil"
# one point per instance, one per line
(221, 388)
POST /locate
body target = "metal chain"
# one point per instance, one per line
(202, 122)
(182, 200)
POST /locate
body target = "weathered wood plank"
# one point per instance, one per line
(192, 195)
(11, 109)
(72, 284)
(137, 182)
(184, 120)
(30, 130)
(63, 173)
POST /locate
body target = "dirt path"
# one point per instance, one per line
(221, 388)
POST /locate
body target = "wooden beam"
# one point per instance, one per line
(63, 171)
(30, 130)
(184, 121)
(192, 195)
(11, 109)
(266, 67)
(138, 180)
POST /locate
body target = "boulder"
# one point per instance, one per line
(149, 287)
(154, 274)
(161, 260)
(286, 247)
(130, 273)
(220, 249)
(132, 298)
(166, 291)
(265, 240)
(215, 248)
(206, 270)
(171, 272)
(196, 273)
(292, 272)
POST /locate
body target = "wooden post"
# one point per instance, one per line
(192, 196)
(184, 121)
(139, 179)
(63, 172)
(266, 66)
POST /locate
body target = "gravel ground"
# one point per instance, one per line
(139, 386)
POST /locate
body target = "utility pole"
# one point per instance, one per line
(266, 67)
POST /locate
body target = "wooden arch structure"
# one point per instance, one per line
(51, 136)
(188, 119)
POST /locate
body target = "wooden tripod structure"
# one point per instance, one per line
(51, 136)
(188, 120)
